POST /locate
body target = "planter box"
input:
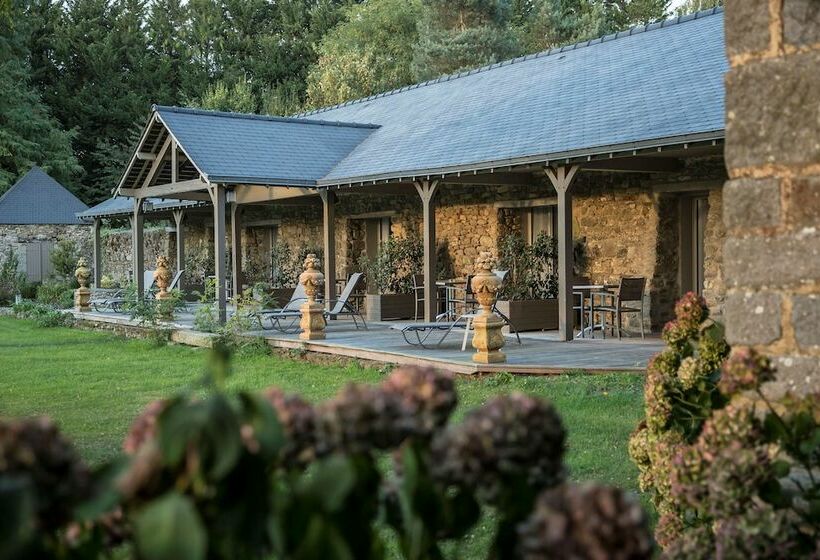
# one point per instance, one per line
(385, 307)
(531, 314)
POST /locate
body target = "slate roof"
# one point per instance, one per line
(38, 199)
(261, 150)
(124, 205)
(649, 86)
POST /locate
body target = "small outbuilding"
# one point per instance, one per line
(35, 214)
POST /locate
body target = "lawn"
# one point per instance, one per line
(93, 384)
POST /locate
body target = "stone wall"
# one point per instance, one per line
(17, 236)
(772, 202)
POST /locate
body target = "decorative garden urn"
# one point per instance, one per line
(82, 295)
(487, 338)
(162, 276)
(313, 320)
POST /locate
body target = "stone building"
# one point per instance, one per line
(772, 202)
(617, 142)
(36, 213)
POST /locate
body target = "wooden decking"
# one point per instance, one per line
(536, 354)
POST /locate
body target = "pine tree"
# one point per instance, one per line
(169, 55)
(29, 135)
(692, 6)
(462, 34)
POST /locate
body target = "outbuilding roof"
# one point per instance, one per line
(261, 150)
(124, 205)
(649, 86)
(38, 199)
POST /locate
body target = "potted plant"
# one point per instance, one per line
(390, 278)
(529, 295)
(286, 265)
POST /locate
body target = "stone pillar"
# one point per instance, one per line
(561, 179)
(427, 192)
(772, 200)
(313, 320)
(137, 248)
(97, 252)
(179, 216)
(329, 238)
(487, 337)
(82, 295)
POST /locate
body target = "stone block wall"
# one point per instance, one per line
(17, 236)
(772, 201)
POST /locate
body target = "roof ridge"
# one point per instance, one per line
(556, 50)
(253, 116)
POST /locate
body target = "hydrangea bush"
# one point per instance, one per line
(271, 475)
(731, 473)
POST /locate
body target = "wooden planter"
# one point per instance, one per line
(386, 307)
(531, 314)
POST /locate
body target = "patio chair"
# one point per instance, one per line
(468, 301)
(117, 300)
(342, 306)
(416, 334)
(630, 289)
(285, 319)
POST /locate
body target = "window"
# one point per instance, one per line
(536, 220)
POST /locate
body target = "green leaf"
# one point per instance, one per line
(17, 519)
(104, 494)
(773, 428)
(170, 529)
(331, 482)
(267, 429)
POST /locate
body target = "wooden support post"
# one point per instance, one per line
(329, 221)
(427, 192)
(137, 254)
(174, 162)
(97, 252)
(218, 197)
(179, 216)
(236, 248)
(561, 178)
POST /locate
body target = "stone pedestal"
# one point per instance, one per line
(82, 295)
(313, 320)
(162, 277)
(487, 337)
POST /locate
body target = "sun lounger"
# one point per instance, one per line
(285, 319)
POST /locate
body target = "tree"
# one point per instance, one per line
(553, 23)
(367, 53)
(463, 34)
(627, 13)
(29, 135)
(237, 97)
(169, 58)
(692, 6)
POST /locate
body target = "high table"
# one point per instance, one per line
(578, 290)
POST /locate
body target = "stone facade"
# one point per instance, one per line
(772, 210)
(17, 237)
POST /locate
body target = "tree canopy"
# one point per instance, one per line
(77, 77)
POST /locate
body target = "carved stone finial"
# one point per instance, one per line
(82, 295)
(487, 337)
(162, 276)
(313, 321)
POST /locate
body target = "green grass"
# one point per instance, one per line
(93, 384)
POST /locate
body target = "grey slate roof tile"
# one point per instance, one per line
(647, 84)
(38, 199)
(234, 147)
(124, 205)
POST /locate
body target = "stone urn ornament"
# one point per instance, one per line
(82, 295)
(313, 320)
(162, 277)
(487, 337)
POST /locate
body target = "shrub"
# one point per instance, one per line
(391, 270)
(271, 475)
(42, 314)
(64, 258)
(11, 279)
(287, 263)
(533, 268)
(730, 472)
(55, 293)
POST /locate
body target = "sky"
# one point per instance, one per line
(676, 4)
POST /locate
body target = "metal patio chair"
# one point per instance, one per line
(114, 302)
(418, 293)
(285, 319)
(630, 289)
(343, 306)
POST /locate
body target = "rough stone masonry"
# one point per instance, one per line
(772, 200)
